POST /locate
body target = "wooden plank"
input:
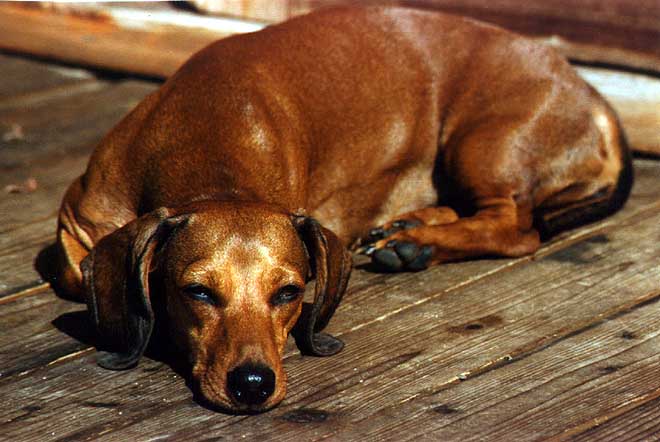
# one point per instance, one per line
(152, 43)
(640, 424)
(55, 129)
(364, 302)
(30, 335)
(264, 10)
(452, 339)
(21, 77)
(580, 378)
(54, 152)
(415, 350)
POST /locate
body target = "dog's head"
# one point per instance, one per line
(232, 278)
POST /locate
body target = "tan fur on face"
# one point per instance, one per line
(243, 272)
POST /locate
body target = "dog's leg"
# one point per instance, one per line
(73, 245)
(428, 216)
(493, 230)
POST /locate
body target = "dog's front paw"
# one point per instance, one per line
(399, 255)
(388, 229)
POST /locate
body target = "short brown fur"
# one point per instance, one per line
(266, 154)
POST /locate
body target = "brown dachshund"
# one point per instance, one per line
(252, 169)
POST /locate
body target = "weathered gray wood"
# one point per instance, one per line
(457, 337)
(28, 337)
(640, 424)
(575, 380)
(636, 99)
(59, 134)
(22, 78)
(389, 362)
(54, 129)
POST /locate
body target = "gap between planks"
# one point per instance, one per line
(543, 344)
(547, 249)
(39, 288)
(634, 403)
(341, 397)
(534, 347)
(635, 424)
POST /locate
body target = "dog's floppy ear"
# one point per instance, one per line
(332, 264)
(116, 282)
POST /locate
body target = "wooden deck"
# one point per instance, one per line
(561, 345)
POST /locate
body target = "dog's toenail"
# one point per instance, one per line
(376, 232)
(368, 250)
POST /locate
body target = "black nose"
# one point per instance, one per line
(251, 384)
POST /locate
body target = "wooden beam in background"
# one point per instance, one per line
(618, 32)
(157, 42)
(152, 43)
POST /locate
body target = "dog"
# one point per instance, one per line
(413, 137)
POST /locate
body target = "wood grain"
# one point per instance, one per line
(415, 351)
(59, 133)
(640, 424)
(60, 127)
(109, 38)
(23, 78)
(579, 378)
(29, 333)
(452, 339)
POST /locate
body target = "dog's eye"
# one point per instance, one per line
(200, 293)
(286, 294)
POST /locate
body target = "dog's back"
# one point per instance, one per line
(357, 115)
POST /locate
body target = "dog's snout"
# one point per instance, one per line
(251, 384)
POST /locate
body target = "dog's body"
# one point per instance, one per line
(474, 137)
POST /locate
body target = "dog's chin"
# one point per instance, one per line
(211, 398)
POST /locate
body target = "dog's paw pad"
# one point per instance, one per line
(421, 261)
(407, 251)
(387, 259)
(397, 256)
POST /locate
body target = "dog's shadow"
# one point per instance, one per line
(75, 324)
(79, 326)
